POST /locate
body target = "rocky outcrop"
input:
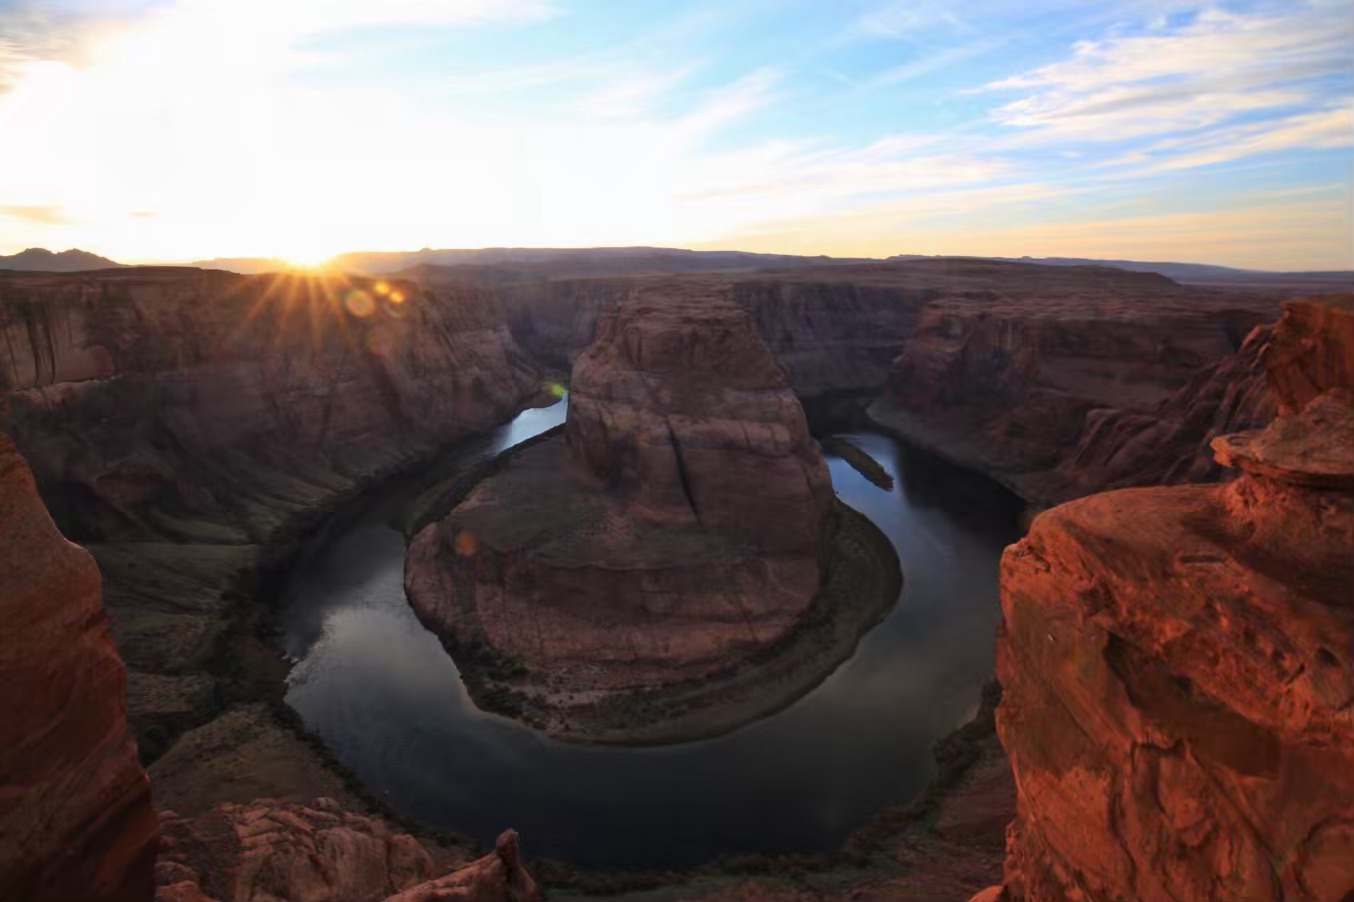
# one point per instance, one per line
(676, 532)
(1059, 387)
(1178, 664)
(267, 850)
(75, 820)
(185, 424)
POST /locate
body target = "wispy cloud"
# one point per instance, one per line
(904, 19)
(42, 214)
(1219, 66)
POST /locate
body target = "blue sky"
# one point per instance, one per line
(1217, 132)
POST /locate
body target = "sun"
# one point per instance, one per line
(307, 260)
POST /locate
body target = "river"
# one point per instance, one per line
(388, 700)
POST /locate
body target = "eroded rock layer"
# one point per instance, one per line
(75, 812)
(1178, 666)
(677, 530)
(320, 852)
(1060, 386)
(184, 424)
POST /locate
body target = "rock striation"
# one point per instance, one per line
(320, 852)
(1078, 381)
(75, 812)
(679, 529)
(207, 407)
(185, 424)
(1178, 664)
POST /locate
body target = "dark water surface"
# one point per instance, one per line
(388, 700)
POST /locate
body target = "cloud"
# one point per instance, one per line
(31, 32)
(1218, 66)
(300, 17)
(42, 214)
(902, 19)
(930, 63)
(733, 101)
(1321, 129)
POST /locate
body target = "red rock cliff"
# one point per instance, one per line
(181, 423)
(205, 405)
(1010, 377)
(75, 812)
(1178, 664)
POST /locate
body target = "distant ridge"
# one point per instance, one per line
(576, 261)
(1192, 273)
(244, 265)
(37, 259)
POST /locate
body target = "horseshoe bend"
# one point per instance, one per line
(573, 450)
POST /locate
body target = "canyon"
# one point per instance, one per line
(1175, 693)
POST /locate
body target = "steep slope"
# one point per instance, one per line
(186, 424)
(1178, 663)
(76, 820)
(1007, 381)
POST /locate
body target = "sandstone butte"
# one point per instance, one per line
(676, 531)
(1178, 663)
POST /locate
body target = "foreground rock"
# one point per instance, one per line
(651, 574)
(1178, 666)
(185, 425)
(75, 814)
(320, 852)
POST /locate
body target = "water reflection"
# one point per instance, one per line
(389, 702)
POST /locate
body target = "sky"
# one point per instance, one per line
(172, 130)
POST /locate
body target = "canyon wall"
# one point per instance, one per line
(1178, 662)
(832, 332)
(1115, 365)
(185, 424)
(75, 812)
(1004, 367)
(202, 405)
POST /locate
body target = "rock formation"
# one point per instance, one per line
(1003, 366)
(75, 813)
(268, 850)
(185, 424)
(677, 531)
(1059, 383)
(203, 406)
(1178, 663)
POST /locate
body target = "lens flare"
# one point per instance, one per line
(359, 303)
(381, 288)
(397, 297)
(466, 543)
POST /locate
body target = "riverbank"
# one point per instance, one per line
(944, 845)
